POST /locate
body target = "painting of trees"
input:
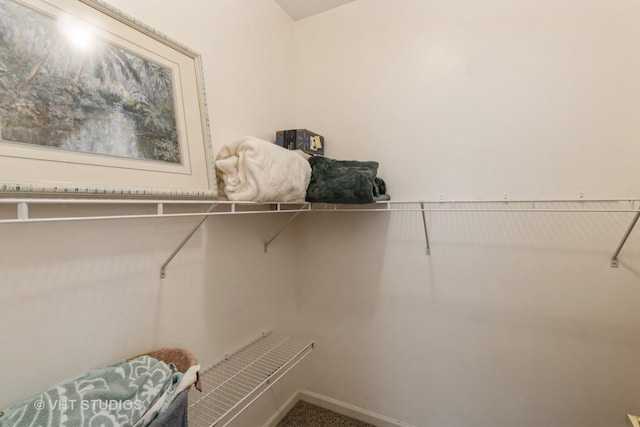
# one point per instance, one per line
(63, 88)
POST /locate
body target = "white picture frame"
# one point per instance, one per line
(126, 116)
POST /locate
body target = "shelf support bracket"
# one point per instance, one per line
(294, 216)
(426, 233)
(614, 258)
(163, 267)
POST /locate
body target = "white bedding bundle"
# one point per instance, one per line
(256, 170)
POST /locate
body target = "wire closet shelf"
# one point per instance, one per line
(239, 379)
(26, 210)
(63, 209)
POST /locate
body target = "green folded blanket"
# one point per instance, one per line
(128, 393)
(344, 181)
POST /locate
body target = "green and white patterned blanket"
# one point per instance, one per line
(128, 393)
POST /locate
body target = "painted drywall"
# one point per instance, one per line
(79, 295)
(514, 319)
(469, 99)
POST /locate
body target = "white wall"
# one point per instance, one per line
(76, 296)
(470, 99)
(515, 319)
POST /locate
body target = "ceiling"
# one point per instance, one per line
(299, 9)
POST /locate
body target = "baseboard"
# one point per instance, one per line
(283, 410)
(335, 406)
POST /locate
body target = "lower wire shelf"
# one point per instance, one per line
(231, 385)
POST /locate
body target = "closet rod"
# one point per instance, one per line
(530, 205)
(614, 258)
(24, 215)
(454, 209)
(133, 216)
(101, 201)
(541, 205)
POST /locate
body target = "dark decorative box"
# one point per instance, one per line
(301, 139)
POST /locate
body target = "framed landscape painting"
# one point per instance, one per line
(93, 102)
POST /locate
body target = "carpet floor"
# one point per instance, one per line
(305, 414)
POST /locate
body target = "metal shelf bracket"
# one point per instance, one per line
(163, 267)
(286, 224)
(614, 258)
(426, 234)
